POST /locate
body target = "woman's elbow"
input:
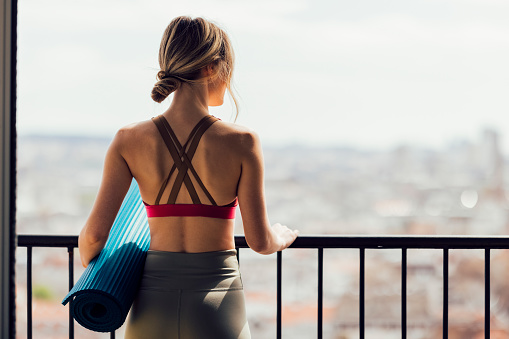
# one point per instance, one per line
(85, 242)
(90, 237)
(84, 262)
(83, 256)
(89, 243)
(264, 247)
(261, 249)
(264, 251)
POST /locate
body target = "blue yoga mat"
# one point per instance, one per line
(103, 295)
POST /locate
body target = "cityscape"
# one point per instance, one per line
(459, 189)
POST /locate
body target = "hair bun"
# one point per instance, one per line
(164, 87)
(161, 75)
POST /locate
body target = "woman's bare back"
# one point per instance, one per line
(218, 163)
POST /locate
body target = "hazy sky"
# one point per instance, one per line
(363, 73)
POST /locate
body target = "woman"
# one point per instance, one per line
(191, 170)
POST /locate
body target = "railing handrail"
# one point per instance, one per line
(37, 240)
(326, 241)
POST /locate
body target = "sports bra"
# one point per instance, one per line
(182, 156)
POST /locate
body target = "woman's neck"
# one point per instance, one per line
(190, 101)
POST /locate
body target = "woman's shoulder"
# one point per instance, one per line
(237, 135)
(135, 135)
(135, 131)
(236, 131)
(136, 128)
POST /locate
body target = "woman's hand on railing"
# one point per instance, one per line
(285, 235)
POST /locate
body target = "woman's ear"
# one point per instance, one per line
(210, 70)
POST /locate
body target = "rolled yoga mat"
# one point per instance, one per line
(103, 295)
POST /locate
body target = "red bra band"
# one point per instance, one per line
(192, 210)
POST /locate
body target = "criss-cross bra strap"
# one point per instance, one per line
(176, 158)
(165, 183)
(159, 121)
(187, 156)
(182, 159)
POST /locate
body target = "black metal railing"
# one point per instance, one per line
(321, 242)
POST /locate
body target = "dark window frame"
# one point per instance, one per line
(8, 49)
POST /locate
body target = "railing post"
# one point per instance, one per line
(403, 292)
(70, 251)
(29, 292)
(320, 293)
(445, 319)
(487, 293)
(362, 259)
(279, 297)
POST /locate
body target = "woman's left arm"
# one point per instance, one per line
(114, 185)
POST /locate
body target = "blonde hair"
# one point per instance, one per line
(187, 46)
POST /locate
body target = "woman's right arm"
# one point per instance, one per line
(260, 236)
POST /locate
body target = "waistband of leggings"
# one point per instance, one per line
(194, 254)
(217, 270)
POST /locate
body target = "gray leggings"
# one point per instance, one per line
(189, 296)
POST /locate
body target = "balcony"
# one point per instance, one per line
(322, 244)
